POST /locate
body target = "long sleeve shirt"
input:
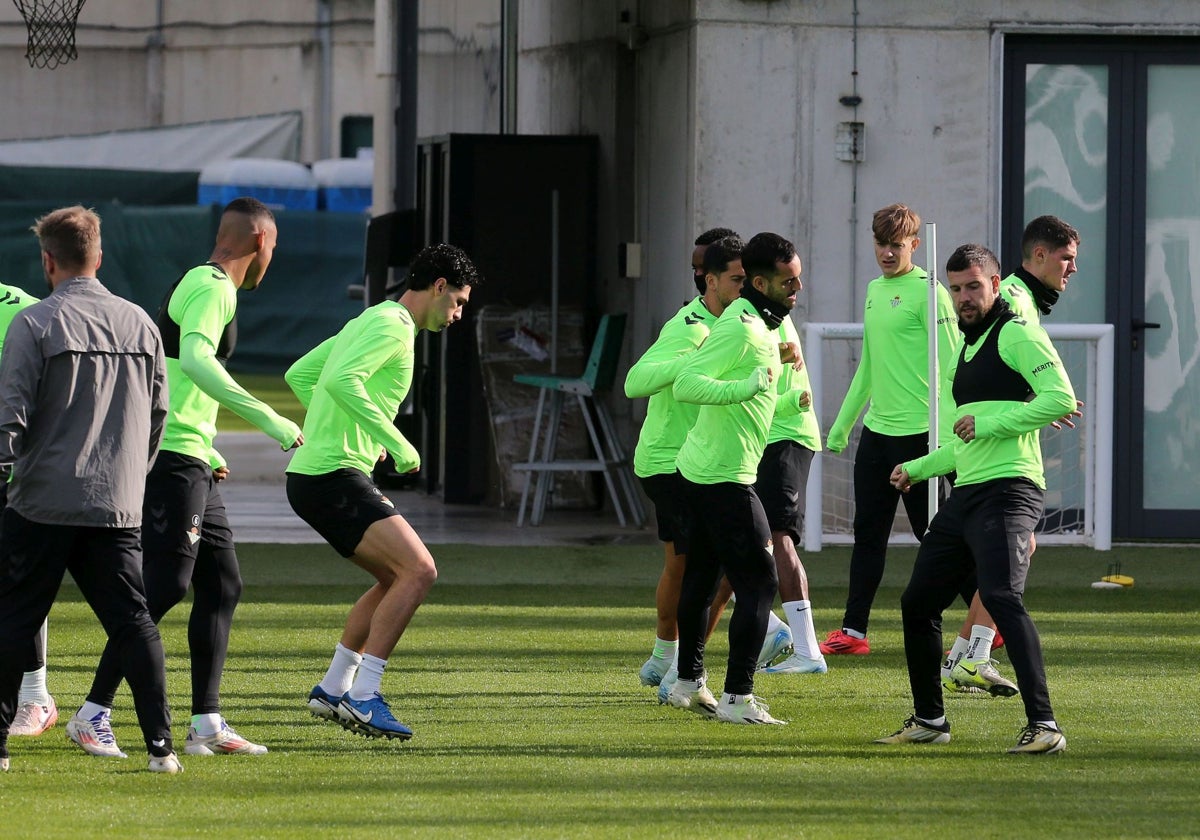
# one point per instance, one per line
(893, 373)
(726, 377)
(199, 331)
(791, 421)
(83, 400)
(1007, 443)
(352, 385)
(653, 375)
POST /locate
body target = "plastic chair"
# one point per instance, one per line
(611, 459)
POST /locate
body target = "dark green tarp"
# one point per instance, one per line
(302, 301)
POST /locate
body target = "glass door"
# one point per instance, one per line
(1101, 132)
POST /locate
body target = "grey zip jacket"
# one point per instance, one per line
(83, 401)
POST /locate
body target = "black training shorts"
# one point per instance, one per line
(339, 505)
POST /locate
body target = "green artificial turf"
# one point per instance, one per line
(519, 678)
(271, 389)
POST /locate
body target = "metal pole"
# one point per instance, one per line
(934, 380)
(553, 281)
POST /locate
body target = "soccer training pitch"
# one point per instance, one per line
(519, 678)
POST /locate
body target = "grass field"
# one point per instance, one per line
(519, 677)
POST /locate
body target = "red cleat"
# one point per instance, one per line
(837, 642)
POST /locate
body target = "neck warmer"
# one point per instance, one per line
(1043, 295)
(972, 332)
(772, 313)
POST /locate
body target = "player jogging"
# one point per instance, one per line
(187, 539)
(352, 385)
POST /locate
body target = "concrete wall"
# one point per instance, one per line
(708, 111)
(230, 58)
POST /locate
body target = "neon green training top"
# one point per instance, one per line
(352, 385)
(667, 420)
(1007, 442)
(12, 301)
(728, 378)
(893, 373)
(1020, 301)
(800, 425)
(198, 335)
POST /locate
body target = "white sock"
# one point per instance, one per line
(664, 648)
(854, 634)
(941, 721)
(1049, 724)
(981, 643)
(33, 688)
(804, 636)
(340, 675)
(957, 652)
(89, 710)
(207, 724)
(773, 623)
(368, 678)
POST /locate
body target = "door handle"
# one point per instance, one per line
(1139, 324)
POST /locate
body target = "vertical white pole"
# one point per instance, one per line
(932, 321)
(814, 520)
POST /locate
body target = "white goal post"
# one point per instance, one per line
(1078, 461)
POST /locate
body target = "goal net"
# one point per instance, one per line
(1078, 461)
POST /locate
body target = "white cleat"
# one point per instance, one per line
(33, 719)
(745, 708)
(694, 696)
(168, 763)
(797, 664)
(95, 735)
(224, 742)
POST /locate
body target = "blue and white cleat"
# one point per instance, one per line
(664, 687)
(776, 646)
(797, 664)
(323, 705)
(653, 670)
(371, 717)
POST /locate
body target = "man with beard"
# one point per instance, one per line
(1008, 382)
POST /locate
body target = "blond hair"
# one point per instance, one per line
(71, 235)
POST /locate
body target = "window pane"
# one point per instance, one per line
(1066, 171)
(1172, 381)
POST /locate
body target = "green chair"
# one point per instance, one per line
(611, 460)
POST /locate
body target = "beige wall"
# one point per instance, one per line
(230, 58)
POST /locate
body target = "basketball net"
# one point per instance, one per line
(51, 25)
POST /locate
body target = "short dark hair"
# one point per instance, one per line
(763, 253)
(442, 260)
(718, 255)
(973, 255)
(1047, 230)
(713, 234)
(248, 206)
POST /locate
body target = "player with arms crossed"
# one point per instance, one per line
(352, 385)
(730, 377)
